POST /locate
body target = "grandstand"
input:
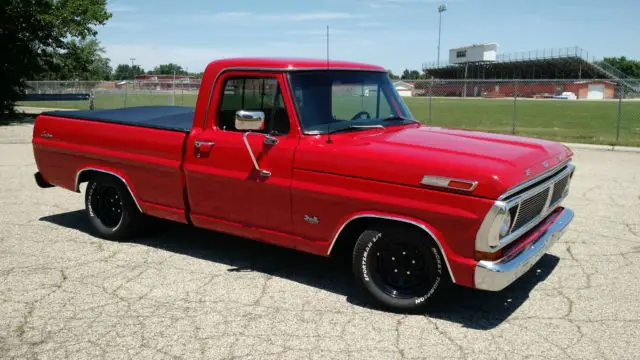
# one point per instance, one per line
(481, 62)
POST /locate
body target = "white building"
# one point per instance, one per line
(473, 53)
(403, 88)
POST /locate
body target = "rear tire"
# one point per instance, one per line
(111, 210)
(400, 268)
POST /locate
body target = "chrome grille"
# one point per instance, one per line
(558, 189)
(530, 208)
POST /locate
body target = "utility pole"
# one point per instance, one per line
(133, 73)
(442, 8)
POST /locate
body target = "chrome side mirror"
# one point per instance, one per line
(249, 120)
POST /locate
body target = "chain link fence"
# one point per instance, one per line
(600, 111)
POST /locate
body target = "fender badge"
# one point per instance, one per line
(311, 219)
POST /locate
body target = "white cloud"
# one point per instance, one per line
(196, 58)
(148, 56)
(310, 16)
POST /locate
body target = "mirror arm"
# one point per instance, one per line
(262, 172)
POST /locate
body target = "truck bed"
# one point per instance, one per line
(175, 118)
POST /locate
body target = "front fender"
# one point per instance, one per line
(456, 265)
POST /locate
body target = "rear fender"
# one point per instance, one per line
(106, 170)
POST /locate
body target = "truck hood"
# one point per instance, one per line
(404, 154)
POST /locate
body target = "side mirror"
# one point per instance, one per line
(249, 120)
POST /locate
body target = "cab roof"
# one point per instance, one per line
(288, 64)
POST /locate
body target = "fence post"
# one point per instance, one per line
(430, 96)
(515, 100)
(125, 93)
(619, 115)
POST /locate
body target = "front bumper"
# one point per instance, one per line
(497, 275)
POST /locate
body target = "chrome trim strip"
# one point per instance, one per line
(446, 261)
(275, 69)
(530, 182)
(443, 182)
(77, 189)
(497, 275)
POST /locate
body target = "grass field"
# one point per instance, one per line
(570, 121)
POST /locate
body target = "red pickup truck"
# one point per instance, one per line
(323, 158)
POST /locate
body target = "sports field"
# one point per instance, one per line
(570, 121)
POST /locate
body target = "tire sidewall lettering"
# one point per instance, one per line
(431, 291)
(90, 199)
(365, 256)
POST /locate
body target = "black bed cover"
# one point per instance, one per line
(176, 118)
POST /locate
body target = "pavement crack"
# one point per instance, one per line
(263, 290)
(397, 340)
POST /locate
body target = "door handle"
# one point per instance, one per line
(203, 147)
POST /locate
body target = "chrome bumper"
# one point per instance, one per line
(497, 275)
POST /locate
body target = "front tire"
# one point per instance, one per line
(111, 209)
(400, 268)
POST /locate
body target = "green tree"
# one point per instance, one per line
(168, 69)
(32, 32)
(392, 76)
(83, 60)
(127, 72)
(627, 66)
(411, 75)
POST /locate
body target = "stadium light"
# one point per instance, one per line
(442, 8)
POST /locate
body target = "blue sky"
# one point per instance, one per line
(396, 34)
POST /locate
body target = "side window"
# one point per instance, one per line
(257, 94)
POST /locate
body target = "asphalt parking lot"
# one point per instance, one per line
(189, 294)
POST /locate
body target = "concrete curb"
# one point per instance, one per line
(603, 147)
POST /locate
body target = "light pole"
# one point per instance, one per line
(442, 8)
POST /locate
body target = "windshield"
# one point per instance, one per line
(334, 100)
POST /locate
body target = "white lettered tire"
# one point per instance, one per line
(400, 267)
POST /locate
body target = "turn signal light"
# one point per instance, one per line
(460, 185)
(481, 255)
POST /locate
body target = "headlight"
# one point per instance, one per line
(506, 225)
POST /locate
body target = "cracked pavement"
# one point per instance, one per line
(184, 293)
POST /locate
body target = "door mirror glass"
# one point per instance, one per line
(249, 120)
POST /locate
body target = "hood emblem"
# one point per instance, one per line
(545, 164)
(527, 172)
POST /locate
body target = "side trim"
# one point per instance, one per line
(77, 188)
(424, 228)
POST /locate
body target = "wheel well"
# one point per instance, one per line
(347, 238)
(86, 175)
(349, 234)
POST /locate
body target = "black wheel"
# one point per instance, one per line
(401, 268)
(111, 209)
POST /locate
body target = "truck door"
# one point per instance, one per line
(238, 181)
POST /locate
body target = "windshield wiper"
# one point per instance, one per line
(397, 118)
(350, 127)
